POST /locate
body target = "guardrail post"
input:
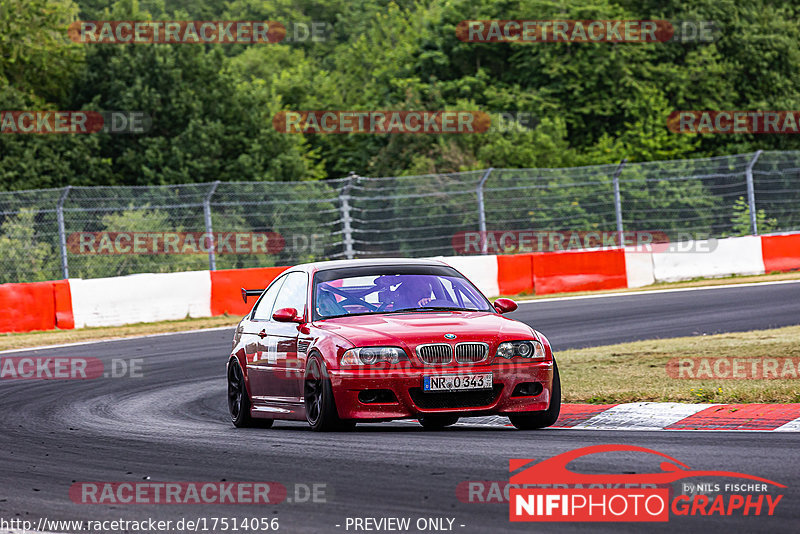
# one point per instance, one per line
(482, 211)
(62, 232)
(212, 257)
(751, 193)
(347, 220)
(618, 202)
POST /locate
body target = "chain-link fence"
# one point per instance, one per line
(90, 232)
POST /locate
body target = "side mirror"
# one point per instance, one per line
(286, 315)
(505, 305)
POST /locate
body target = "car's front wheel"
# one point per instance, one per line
(544, 418)
(239, 400)
(321, 411)
(437, 422)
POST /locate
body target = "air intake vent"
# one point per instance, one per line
(435, 354)
(461, 399)
(471, 352)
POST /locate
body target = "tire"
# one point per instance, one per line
(544, 418)
(320, 406)
(437, 422)
(239, 401)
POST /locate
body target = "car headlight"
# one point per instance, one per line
(522, 349)
(373, 355)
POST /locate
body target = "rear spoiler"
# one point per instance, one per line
(251, 293)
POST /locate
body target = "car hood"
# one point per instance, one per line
(411, 329)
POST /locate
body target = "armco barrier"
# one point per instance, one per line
(139, 298)
(558, 272)
(226, 285)
(707, 259)
(27, 307)
(515, 274)
(481, 270)
(781, 252)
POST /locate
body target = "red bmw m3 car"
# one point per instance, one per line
(339, 342)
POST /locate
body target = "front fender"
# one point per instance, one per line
(330, 347)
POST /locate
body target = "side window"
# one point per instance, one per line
(263, 310)
(293, 293)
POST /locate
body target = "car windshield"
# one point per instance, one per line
(340, 293)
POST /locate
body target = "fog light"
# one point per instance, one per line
(377, 396)
(528, 389)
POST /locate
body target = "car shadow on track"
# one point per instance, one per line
(393, 427)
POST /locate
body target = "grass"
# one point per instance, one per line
(697, 282)
(57, 337)
(632, 372)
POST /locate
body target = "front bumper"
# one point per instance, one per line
(411, 402)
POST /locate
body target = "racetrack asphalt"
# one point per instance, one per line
(171, 425)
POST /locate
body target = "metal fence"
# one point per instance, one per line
(407, 216)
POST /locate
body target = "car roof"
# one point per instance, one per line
(376, 262)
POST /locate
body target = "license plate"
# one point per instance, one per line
(457, 382)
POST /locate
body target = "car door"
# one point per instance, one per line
(289, 363)
(255, 337)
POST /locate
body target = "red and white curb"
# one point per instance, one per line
(668, 416)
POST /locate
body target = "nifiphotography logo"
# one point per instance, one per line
(572, 496)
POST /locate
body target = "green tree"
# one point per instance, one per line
(135, 219)
(24, 255)
(741, 223)
(37, 59)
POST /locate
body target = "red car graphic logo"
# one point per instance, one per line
(554, 470)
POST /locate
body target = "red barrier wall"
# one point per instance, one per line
(226, 288)
(781, 252)
(515, 274)
(559, 272)
(26, 307)
(63, 305)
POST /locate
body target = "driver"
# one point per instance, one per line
(327, 305)
(415, 291)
